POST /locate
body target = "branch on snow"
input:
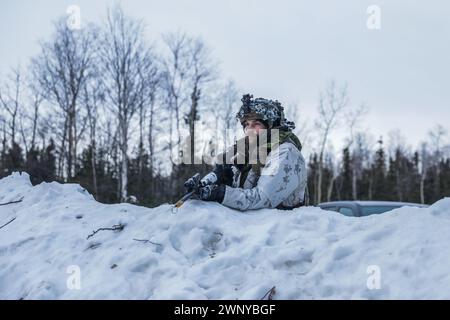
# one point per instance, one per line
(8, 222)
(11, 202)
(148, 241)
(117, 227)
(269, 294)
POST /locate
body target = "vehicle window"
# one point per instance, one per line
(368, 210)
(346, 211)
(330, 208)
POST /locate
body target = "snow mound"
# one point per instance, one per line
(49, 250)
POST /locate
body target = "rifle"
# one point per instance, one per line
(193, 184)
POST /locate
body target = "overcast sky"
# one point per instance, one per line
(288, 50)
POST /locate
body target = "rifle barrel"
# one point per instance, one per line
(184, 198)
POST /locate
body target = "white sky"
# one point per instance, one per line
(288, 50)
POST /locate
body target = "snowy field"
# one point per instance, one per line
(48, 250)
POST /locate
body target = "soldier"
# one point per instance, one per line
(268, 170)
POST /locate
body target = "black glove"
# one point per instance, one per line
(224, 174)
(212, 192)
(192, 182)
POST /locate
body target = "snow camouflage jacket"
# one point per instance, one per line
(280, 183)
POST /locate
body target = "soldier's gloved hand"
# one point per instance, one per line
(191, 183)
(225, 173)
(222, 174)
(212, 192)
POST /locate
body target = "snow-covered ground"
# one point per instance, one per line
(207, 251)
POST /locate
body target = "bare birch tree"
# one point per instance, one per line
(202, 72)
(176, 68)
(127, 63)
(61, 70)
(11, 101)
(332, 101)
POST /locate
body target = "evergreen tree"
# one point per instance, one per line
(13, 160)
(346, 175)
(379, 185)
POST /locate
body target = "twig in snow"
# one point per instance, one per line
(270, 294)
(116, 227)
(11, 202)
(94, 245)
(148, 241)
(8, 222)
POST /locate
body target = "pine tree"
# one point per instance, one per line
(346, 175)
(312, 177)
(379, 186)
(14, 160)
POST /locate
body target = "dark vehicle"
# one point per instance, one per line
(365, 208)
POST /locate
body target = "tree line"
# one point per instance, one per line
(108, 108)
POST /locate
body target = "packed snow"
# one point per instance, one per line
(49, 250)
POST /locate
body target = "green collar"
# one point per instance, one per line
(284, 136)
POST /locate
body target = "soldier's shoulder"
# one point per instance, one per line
(289, 147)
(287, 151)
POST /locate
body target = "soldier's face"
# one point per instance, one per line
(253, 127)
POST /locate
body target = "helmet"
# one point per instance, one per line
(268, 111)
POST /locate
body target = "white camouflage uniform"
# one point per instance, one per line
(282, 182)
